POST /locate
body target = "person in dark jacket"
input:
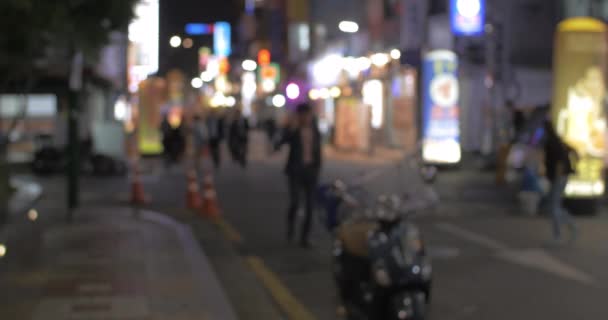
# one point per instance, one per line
(238, 138)
(518, 120)
(215, 133)
(173, 141)
(558, 166)
(302, 169)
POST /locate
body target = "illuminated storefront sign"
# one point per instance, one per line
(197, 29)
(143, 37)
(152, 95)
(270, 73)
(468, 17)
(222, 46)
(248, 89)
(204, 54)
(441, 131)
(405, 102)
(579, 92)
(373, 96)
(352, 130)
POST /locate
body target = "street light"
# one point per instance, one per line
(364, 63)
(249, 65)
(279, 101)
(32, 215)
(187, 43)
(335, 92)
(324, 93)
(175, 41)
(230, 101)
(206, 76)
(348, 26)
(197, 83)
(468, 8)
(395, 54)
(380, 59)
(293, 91)
(314, 94)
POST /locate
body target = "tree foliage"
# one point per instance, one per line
(29, 29)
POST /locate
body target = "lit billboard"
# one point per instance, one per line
(222, 46)
(468, 17)
(440, 110)
(142, 58)
(198, 29)
(579, 93)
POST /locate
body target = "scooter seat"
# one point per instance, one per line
(355, 235)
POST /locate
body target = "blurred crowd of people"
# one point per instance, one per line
(207, 133)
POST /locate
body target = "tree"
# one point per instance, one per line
(37, 34)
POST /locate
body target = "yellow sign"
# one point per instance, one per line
(579, 91)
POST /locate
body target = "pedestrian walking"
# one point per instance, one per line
(238, 138)
(302, 168)
(518, 120)
(270, 126)
(173, 141)
(200, 139)
(215, 132)
(558, 166)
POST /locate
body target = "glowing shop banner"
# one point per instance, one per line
(579, 93)
(440, 110)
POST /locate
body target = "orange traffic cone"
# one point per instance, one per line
(210, 208)
(193, 197)
(138, 196)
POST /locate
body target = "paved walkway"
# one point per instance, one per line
(111, 264)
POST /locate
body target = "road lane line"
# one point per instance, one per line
(229, 231)
(541, 260)
(533, 258)
(271, 282)
(284, 298)
(470, 236)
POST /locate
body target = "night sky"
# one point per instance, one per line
(175, 14)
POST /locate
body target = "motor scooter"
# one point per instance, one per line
(380, 264)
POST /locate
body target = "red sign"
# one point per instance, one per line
(264, 57)
(224, 66)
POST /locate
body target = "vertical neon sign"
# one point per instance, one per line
(440, 110)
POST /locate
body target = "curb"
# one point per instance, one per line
(26, 196)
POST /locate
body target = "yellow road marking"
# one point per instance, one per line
(284, 298)
(279, 292)
(229, 231)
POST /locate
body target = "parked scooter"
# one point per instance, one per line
(49, 160)
(381, 267)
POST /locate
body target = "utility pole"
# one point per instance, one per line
(73, 150)
(500, 77)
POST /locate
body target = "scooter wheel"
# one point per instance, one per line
(408, 305)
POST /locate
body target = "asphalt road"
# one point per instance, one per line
(489, 261)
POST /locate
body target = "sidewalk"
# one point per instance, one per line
(112, 263)
(379, 155)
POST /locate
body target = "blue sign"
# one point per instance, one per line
(198, 29)
(222, 46)
(440, 110)
(468, 17)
